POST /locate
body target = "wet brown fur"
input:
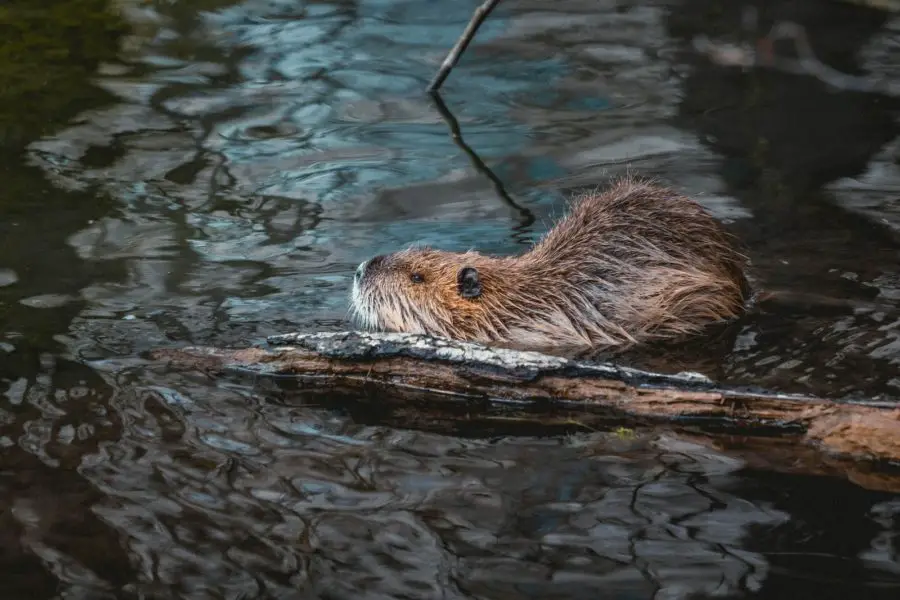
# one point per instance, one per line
(636, 263)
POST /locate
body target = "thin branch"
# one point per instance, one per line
(456, 133)
(761, 55)
(452, 58)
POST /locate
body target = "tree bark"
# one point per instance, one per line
(449, 370)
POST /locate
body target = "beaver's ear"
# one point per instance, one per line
(467, 282)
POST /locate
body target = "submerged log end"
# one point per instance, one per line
(210, 360)
(864, 433)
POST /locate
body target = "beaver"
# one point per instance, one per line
(636, 263)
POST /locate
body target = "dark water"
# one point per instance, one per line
(257, 151)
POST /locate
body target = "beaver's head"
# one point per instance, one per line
(419, 291)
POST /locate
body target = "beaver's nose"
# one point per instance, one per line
(365, 265)
(360, 270)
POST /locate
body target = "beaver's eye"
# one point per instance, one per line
(416, 278)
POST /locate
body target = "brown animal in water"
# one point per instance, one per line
(633, 264)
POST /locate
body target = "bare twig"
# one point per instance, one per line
(456, 133)
(452, 58)
(761, 55)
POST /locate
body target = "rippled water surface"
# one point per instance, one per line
(252, 153)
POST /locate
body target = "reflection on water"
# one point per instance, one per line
(259, 150)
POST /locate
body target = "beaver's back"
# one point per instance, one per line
(650, 260)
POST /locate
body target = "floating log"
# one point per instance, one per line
(451, 370)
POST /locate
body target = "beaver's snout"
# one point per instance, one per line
(367, 265)
(367, 279)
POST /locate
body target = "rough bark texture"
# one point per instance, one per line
(445, 368)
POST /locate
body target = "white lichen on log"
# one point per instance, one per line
(524, 364)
